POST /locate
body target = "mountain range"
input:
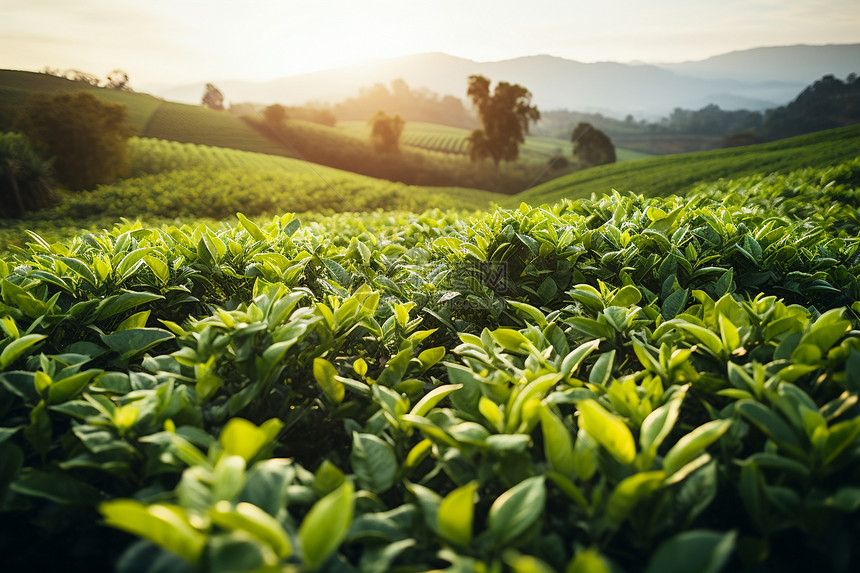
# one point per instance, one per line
(755, 79)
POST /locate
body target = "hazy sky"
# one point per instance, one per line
(169, 41)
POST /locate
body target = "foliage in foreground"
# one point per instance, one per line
(621, 384)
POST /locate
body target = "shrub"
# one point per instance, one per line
(85, 135)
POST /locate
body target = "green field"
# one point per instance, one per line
(173, 181)
(678, 173)
(150, 116)
(454, 140)
(195, 124)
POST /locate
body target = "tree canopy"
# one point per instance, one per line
(118, 80)
(385, 132)
(213, 98)
(86, 136)
(505, 116)
(275, 115)
(592, 146)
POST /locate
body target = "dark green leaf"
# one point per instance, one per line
(697, 551)
(373, 462)
(513, 512)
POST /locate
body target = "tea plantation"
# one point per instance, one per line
(616, 384)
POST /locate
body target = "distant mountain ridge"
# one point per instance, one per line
(754, 79)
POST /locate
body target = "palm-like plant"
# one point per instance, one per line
(26, 179)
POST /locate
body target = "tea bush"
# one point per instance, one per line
(615, 384)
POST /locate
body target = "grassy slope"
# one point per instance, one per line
(16, 87)
(152, 156)
(678, 173)
(151, 116)
(195, 124)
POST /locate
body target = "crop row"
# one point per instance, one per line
(437, 142)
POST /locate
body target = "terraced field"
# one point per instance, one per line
(678, 173)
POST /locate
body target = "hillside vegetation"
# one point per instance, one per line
(453, 140)
(351, 149)
(171, 180)
(679, 173)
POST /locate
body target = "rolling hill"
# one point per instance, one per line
(150, 116)
(675, 174)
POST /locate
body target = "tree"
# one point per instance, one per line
(592, 146)
(213, 98)
(25, 178)
(385, 132)
(82, 77)
(275, 115)
(505, 116)
(85, 135)
(118, 80)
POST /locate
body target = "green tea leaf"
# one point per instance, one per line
(252, 519)
(456, 514)
(251, 227)
(674, 304)
(56, 486)
(326, 525)
(629, 492)
(128, 343)
(18, 347)
(67, 388)
(602, 369)
(557, 442)
(609, 431)
(658, 424)
(373, 462)
(116, 304)
(245, 439)
(692, 444)
(627, 295)
(164, 526)
(137, 320)
(698, 551)
(433, 397)
(511, 340)
(588, 561)
(513, 512)
(772, 425)
(326, 376)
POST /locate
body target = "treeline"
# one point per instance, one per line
(826, 104)
(420, 105)
(312, 113)
(116, 80)
(411, 104)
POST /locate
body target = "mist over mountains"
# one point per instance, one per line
(755, 79)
